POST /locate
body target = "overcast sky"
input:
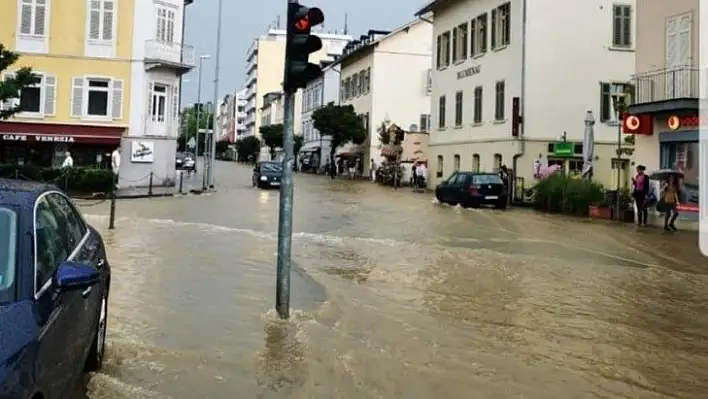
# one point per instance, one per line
(243, 20)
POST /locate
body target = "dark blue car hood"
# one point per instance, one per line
(18, 329)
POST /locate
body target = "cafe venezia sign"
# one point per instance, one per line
(41, 139)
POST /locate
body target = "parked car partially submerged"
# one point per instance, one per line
(471, 189)
(54, 285)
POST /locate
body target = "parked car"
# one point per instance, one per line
(471, 189)
(186, 161)
(54, 285)
(267, 174)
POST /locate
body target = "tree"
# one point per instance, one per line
(272, 136)
(10, 88)
(189, 127)
(299, 141)
(341, 124)
(384, 137)
(248, 149)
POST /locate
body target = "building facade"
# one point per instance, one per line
(150, 145)
(239, 121)
(81, 53)
(317, 93)
(501, 97)
(265, 61)
(373, 80)
(665, 117)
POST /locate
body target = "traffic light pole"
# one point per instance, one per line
(285, 217)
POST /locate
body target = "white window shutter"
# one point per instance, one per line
(95, 20)
(108, 14)
(170, 31)
(77, 97)
(40, 14)
(50, 90)
(26, 18)
(117, 99)
(149, 101)
(175, 103)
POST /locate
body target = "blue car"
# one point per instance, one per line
(54, 284)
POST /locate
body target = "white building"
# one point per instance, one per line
(495, 59)
(318, 92)
(151, 142)
(240, 103)
(265, 61)
(385, 76)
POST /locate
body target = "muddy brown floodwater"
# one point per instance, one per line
(395, 297)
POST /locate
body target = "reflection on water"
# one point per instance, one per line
(448, 303)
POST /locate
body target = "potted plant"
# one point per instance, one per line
(626, 207)
(600, 210)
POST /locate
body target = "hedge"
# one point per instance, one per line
(80, 179)
(564, 194)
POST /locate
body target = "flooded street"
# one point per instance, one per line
(394, 296)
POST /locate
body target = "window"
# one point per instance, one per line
(458, 108)
(459, 43)
(611, 94)
(575, 166)
(368, 80)
(441, 112)
(684, 156)
(622, 25)
(475, 162)
(8, 249)
(499, 103)
(50, 248)
(478, 42)
(443, 50)
(38, 99)
(425, 122)
(165, 24)
(97, 98)
(72, 226)
(439, 172)
(429, 81)
(478, 104)
(456, 162)
(33, 18)
(497, 162)
(158, 102)
(501, 26)
(101, 20)
(355, 85)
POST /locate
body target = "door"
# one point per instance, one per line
(458, 188)
(54, 310)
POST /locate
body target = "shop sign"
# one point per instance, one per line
(471, 71)
(563, 149)
(676, 122)
(42, 139)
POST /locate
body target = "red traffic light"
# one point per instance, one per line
(312, 17)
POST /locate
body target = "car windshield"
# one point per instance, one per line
(487, 179)
(271, 167)
(8, 252)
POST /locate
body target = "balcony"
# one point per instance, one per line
(173, 56)
(666, 90)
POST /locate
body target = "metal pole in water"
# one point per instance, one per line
(212, 148)
(285, 216)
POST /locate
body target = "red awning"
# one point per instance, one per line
(54, 133)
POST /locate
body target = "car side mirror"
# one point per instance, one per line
(73, 276)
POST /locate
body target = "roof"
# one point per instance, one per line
(17, 192)
(432, 6)
(370, 40)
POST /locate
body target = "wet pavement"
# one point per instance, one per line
(395, 296)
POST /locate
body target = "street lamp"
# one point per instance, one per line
(212, 148)
(199, 101)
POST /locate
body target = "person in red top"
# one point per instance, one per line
(640, 193)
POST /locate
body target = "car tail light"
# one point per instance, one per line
(473, 189)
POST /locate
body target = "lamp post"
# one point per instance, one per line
(212, 147)
(199, 102)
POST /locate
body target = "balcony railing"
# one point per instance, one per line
(171, 53)
(666, 84)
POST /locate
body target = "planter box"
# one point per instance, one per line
(600, 212)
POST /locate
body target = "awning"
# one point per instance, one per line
(54, 133)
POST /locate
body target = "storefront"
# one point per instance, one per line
(44, 144)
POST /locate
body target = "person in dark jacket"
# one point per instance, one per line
(640, 191)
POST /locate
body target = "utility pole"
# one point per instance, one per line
(297, 72)
(199, 104)
(217, 67)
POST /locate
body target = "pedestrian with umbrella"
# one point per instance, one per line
(669, 198)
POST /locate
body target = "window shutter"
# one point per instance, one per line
(108, 13)
(494, 29)
(50, 90)
(170, 27)
(149, 101)
(617, 25)
(117, 99)
(439, 53)
(77, 98)
(175, 104)
(26, 18)
(605, 102)
(454, 45)
(40, 13)
(95, 20)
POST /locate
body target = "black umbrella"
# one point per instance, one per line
(664, 174)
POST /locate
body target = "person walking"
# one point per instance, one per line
(68, 160)
(115, 164)
(640, 193)
(670, 201)
(421, 173)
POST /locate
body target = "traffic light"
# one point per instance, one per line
(299, 45)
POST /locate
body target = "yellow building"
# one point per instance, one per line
(81, 53)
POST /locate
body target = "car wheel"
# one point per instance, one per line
(98, 348)
(437, 196)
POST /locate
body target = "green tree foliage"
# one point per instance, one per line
(341, 124)
(10, 88)
(384, 137)
(188, 128)
(272, 136)
(299, 141)
(248, 149)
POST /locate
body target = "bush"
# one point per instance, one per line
(79, 179)
(564, 194)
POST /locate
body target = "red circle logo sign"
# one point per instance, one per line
(674, 122)
(632, 122)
